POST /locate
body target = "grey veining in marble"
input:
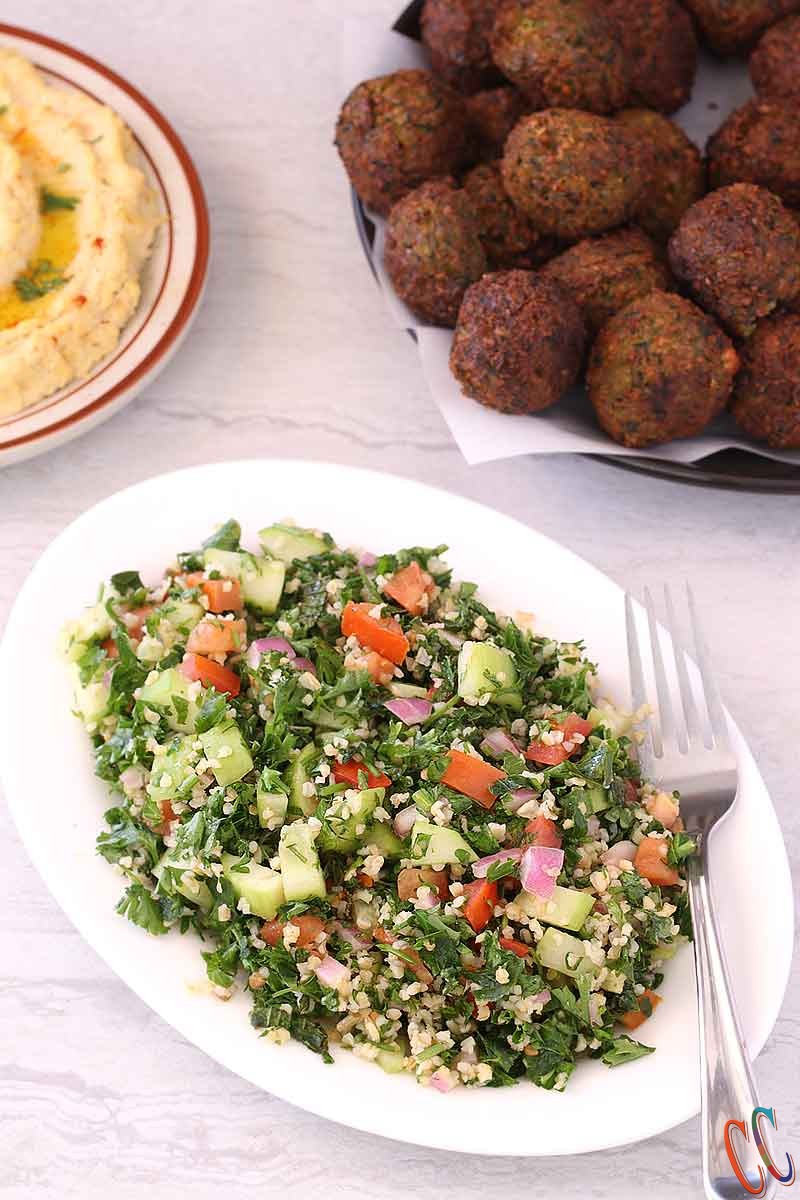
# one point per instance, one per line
(292, 355)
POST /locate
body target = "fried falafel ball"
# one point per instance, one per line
(456, 35)
(561, 53)
(675, 172)
(509, 239)
(738, 251)
(398, 130)
(659, 41)
(572, 173)
(605, 274)
(660, 369)
(775, 62)
(733, 26)
(759, 143)
(519, 342)
(433, 251)
(766, 399)
(492, 115)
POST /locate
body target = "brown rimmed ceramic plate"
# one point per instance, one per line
(733, 468)
(173, 278)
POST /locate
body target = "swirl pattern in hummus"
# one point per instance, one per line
(77, 223)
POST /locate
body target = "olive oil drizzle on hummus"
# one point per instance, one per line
(57, 247)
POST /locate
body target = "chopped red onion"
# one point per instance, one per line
(351, 936)
(481, 867)
(539, 869)
(303, 664)
(410, 711)
(615, 854)
(428, 899)
(331, 972)
(442, 1080)
(367, 559)
(107, 678)
(404, 821)
(515, 800)
(452, 639)
(497, 743)
(132, 777)
(542, 997)
(267, 646)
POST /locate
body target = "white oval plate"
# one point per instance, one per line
(58, 804)
(173, 278)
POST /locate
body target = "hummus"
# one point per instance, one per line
(77, 222)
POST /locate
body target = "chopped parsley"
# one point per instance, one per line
(39, 280)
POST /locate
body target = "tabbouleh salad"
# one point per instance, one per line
(397, 818)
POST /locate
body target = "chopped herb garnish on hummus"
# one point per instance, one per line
(51, 201)
(42, 278)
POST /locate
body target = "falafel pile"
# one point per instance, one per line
(541, 202)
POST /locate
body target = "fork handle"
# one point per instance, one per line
(727, 1085)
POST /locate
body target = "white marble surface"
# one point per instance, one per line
(292, 355)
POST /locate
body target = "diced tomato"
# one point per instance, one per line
(349, 772)
(224, 595)
(191, 579)
(472, 777)
(410, 879)
(110, 647)
(211, 674)
(650, 861)
(574, 724)
(379, 669)
(167, 817)
(381, 634)
(551, 756)
(415, 965)
(411, 588)
(135, 619)
(648, 1001)
(481, 898)
(541, 831)
(310, 928)
(548, 756)
(213, 636)
(518, 948)
(631, 791)
(663, 808)
(364, 879)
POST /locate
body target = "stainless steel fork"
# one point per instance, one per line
(686, 748)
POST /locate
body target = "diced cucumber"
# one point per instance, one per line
(91, 701)
(261, 579)
(227, 562)
(172, 769)
(93, 625)
(392, 1061)
(289, 542)
(433, 845)
(227, 753)
(272, 799)
(383, 836)
(484, 668)
(163, 690)
(195, 890)
(261, 887)
(408, 691)
(563, 952)
(598, 797)
(262, 583)
(300, 870)
(567, 907)
(297, 775)
(182, 615)
(346, 818)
